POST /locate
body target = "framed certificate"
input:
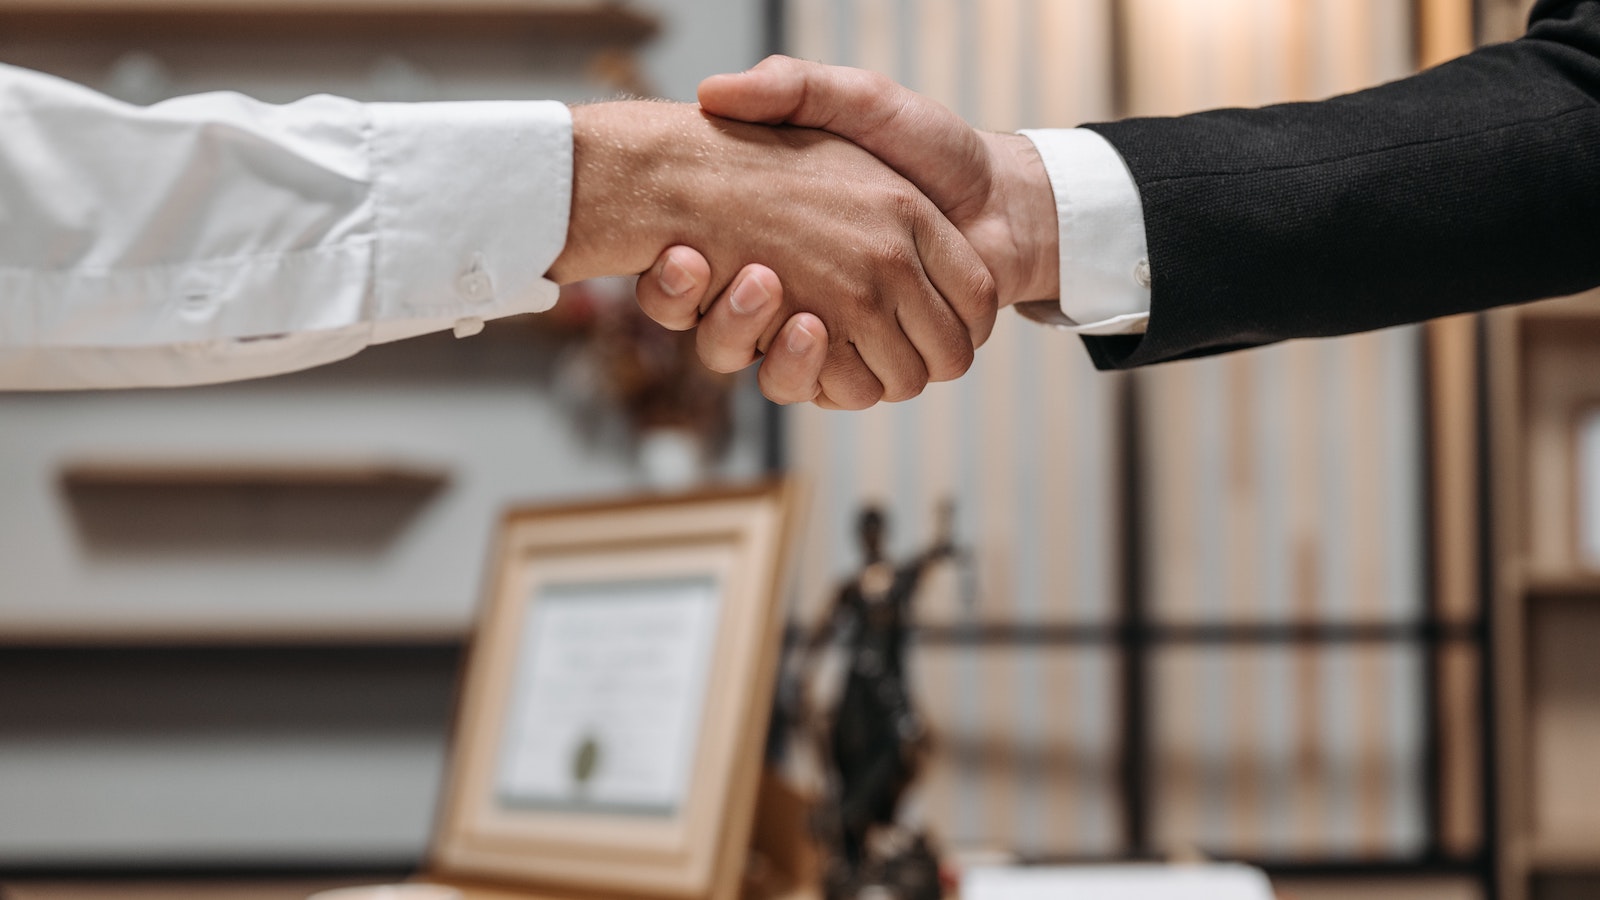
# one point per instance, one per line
(1586, 480)
(616, 698)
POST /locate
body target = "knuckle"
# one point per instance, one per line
(909, 378)
(879, 83)
(867, 303)
(977, 305)
(907, 204)
(954, 362)
(856, 394)
(906, 391)
(893, 254)
(983, 289)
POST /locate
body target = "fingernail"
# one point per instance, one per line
(801, 340)
(749, 296)
(675, 280)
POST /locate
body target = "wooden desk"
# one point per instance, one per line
(258, 889)
(295, 889)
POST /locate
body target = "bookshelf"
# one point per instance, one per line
(1542, 376)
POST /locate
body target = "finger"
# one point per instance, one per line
(791, 372)
(938, 334)
(674, 290)
(945, 320)
(886, 350)
(964, 285)
(932, 146)
(731, 331)
(846, 380)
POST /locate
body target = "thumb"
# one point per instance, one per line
(924, 141)
(771, 93)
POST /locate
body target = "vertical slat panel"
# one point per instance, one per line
(1281, 490)
(1445, 31)
(1021, 443)
(812, 441)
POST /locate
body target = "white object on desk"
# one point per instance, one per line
(390, 892)
(1133, 882)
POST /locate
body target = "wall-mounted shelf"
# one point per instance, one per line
(167, 508)
(166, 18)
(212, 474)
(1577, 586)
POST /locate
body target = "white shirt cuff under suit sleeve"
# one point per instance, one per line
(213, 237)
(1105, 269)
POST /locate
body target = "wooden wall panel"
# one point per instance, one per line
(1285, 486)
(1022, 443)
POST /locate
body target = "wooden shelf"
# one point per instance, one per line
(1574, 586)
(169, 633)
(210, 474)
(548, 19)
(1567, 853)
(186, 509)
(109, 889)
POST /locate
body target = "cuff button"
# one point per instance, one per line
(474, 283)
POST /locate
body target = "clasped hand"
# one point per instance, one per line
(862, 248)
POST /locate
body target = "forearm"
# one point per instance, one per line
(214, 237)
(1468, 186)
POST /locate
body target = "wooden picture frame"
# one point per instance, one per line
(628, 584)
(1586, 489)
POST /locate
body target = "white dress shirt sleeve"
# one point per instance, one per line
(214, 237)
(1105, 268)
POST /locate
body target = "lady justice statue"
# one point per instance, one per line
(873, 741)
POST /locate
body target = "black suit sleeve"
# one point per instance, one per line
(1470, 185)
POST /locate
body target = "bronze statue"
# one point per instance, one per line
(874, 741)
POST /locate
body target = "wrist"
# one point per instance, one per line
(1026, 255)
(616, 223)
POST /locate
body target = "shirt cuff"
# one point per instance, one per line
(471, 202)
(1105, 268)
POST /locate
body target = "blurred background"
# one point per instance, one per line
(1319, 606)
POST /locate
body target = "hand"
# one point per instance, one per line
(909, 296)
(992, 187)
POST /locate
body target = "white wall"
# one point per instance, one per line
(702, 37)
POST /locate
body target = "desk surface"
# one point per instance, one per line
(297, 889)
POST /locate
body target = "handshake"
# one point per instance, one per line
(858, 236)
